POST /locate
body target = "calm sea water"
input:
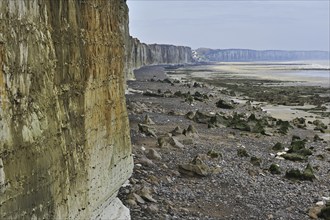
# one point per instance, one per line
(314, 68)
(314, 72)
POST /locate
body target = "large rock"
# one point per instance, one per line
(224, 104)
(65, 143)
(115, 210)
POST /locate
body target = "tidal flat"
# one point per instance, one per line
(212, 148)
(285, 90)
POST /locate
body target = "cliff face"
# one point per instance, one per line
(204, 54)
(64, 136)
(140, 54)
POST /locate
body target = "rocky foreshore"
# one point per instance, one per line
(200, 154)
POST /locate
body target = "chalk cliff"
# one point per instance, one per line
(64, 135)
(205, 54)
(141, 54)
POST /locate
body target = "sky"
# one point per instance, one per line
(220, 24)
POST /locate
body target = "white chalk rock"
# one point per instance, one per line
(116, 210)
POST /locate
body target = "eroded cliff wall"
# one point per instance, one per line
(141, 54)
(205, 54)
(64, 136)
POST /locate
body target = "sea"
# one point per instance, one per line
(311, 68)
(311, 72)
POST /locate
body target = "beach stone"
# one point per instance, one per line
(153, 208)
(299, 122)
(145, 193)
(201, 117)
(179, 94)
(175, 143)
(162, 142)
(294, 157)
(187, 141)
(297, 150)
(152, 94)
(131, 202)
(274, 169)
(148, 121)
(176, 131)
(283, 126)
(218, 121)
(167, 94)
(214, 154)
(242, 152)
(308, 174)
(278, 147)
(319, 126)
(189, 99)
(255, 161)
(224, 104)
(317, 138)
(147, 130)
(146, 162)
(190, 131)
(138, 198)
(173, 113)
(137, 107)
(197, 85)
(196, 166)
(190, 115)
(153, 154)
(313, 212)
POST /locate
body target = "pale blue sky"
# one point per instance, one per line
(290, 24)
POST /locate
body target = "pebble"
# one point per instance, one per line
(146, 162)
(138, 198)
(320, 203)
(131, 202)
(153, 208)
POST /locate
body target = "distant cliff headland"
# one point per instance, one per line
(141, 54)
(217, 55)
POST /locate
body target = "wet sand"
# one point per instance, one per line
(266, 72)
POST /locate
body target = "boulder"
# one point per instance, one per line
(162, 142)
(153, 155)
(190, 131)
(201, 117)
(196, 167)
(147, 130)
(274, 169)
(295, 174)
(242, 152)
(299, 122)
(190, 115)
(278, 147)
(176, 131)
(255, 161)
(224, 104)
(148, 121)
(175, 143)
